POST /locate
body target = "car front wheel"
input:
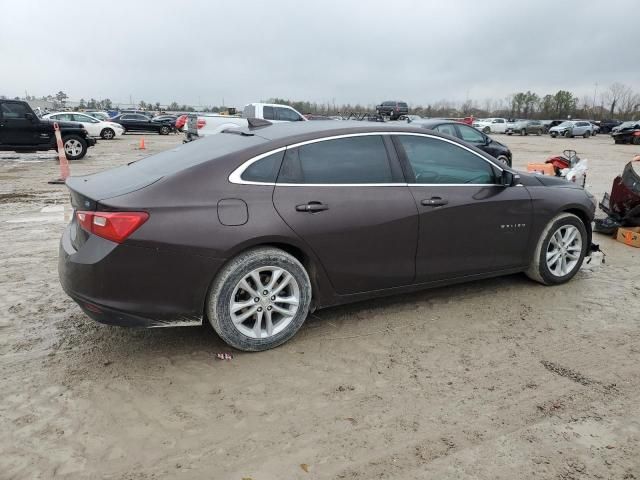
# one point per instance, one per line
(560, 250)
(260, 299)
(75, 147)
(107, 134)
(503, 159)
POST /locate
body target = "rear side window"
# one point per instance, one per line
(357, 160)
(264, 170)
(436, 161)
(268, 114)
(403, 105)
(13, 110)
(447, 128)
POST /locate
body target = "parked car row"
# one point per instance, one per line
(21, 130)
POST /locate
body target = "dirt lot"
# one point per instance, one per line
(497, 379)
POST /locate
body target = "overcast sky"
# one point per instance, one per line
(201, 52)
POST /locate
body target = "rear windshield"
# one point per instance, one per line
(128, 178)
(402, 104)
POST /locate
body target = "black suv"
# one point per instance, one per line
(22, 131)
(394, 110)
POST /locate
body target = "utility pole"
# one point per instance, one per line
(594, 97)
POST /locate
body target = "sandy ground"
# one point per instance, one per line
(497, 379)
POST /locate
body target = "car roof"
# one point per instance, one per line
(291, 130)
(433, 122)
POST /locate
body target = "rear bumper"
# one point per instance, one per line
(125, 285)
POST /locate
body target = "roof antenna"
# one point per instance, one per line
(257, 123)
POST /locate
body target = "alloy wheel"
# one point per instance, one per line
(73, 147)
(264, 302)
(563, 250)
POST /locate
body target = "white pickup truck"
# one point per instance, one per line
(203, 124)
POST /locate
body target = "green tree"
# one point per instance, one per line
(82, 104)
(61, 97)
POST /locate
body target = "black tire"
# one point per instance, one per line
(77, 143)
(108, 134)
(568, 134)
(523, 132)
(553, 134)
(636, 140)
(503, 159)
(219, 297)
(587, 134)
(164, 130)
(486, 129)
(538, 269)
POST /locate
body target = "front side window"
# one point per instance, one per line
(471, 135)
(286, 114)
(436, 161)
(264, 170)
(268, 113)
(14, 110)
(357, 160)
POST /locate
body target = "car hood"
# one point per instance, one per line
(548, 180)
(557, 128)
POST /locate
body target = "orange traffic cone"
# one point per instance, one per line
(142, 147)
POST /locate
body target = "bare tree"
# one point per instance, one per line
(616, 92)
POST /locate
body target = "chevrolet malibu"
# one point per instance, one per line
(253, 228)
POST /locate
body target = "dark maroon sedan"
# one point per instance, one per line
(252, 228)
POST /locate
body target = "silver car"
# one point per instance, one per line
(571, 129)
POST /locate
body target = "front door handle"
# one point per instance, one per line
(312, 207)
(434, 202)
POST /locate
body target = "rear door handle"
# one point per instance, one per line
(434, 202)
(312, 207)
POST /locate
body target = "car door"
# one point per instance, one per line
(15, 127)
(500, 125)
(469, 223)
(349, 202)
(91, 125)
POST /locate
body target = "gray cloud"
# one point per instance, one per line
(365, 51)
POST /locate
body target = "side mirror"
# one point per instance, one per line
(510, 179)
(29, 116)
(487, 140)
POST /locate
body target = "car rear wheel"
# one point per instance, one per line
(259, 300)
(107, 134)
(75, 147)
(560, 250)
(164, 130)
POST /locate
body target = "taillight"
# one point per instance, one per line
(114, 226)
(201, 123)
